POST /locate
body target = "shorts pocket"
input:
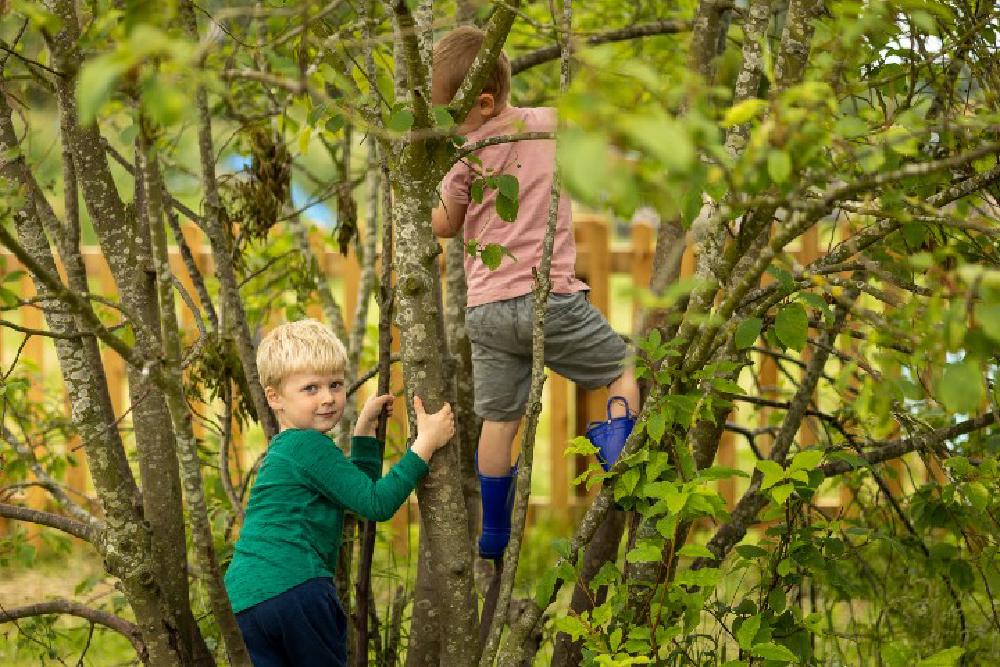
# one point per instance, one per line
(560, 304)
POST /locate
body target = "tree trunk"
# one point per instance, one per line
(442, 504)
(126, 544)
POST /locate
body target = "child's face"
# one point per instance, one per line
(309, 400)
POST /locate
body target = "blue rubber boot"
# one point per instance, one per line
(497, 495)
(609, 436)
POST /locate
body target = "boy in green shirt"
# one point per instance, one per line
(280, 578)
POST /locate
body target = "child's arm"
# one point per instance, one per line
(448, 217)
(333, 475)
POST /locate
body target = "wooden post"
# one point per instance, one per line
(593, 267)
(641, 257)
(558, 437)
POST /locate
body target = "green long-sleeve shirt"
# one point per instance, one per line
(295, 518)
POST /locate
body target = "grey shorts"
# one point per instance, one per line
(579, 345)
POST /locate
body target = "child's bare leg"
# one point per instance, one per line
(625, 386)
(495, 444)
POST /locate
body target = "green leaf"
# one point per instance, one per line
(850, 127)
(645, 553)
(95, 85)
(721, 472)
(779, 166)
(977, 494)
(38, 15)
(656, 426)
(792, 325)
(571, 625)
(781, 492)
(747, 631)
(747, 333)
(773, 473)
(545, 588)
(627, 482)
(988, 317)
(442, 118)
(493, 254)
(334, 123)
(743, 111)
(506, 207)
(960, 388)
(949, 657)
(772, 651)
(695, 551)
(812, 299)
(164, 103)
(401, 120)
(477, 190)
(783, 277)
(806, 460)
(508, 186)
(583, 159)
(751, 551)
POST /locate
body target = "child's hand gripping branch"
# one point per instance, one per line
(433, 430)
(367, 422)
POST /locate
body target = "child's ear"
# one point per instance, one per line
(487, 105)
(273, 399)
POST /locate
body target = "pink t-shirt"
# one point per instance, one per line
(533, 163)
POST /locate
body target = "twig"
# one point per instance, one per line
(130, 630)
(549, 53)
(57, 521)
(469, 149)
(368, 375)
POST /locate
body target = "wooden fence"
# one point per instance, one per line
(612, 268)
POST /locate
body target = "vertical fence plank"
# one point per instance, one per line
(558, 437)
(34, 351)
(593, 240)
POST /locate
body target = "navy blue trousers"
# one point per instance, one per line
(303, 627)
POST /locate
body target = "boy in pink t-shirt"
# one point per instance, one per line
(579, 342)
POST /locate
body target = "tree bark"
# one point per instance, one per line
(126, 545)
(180, 413)
(121, 241)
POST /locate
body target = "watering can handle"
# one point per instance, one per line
(621, 399)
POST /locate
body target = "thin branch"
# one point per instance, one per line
(47, 482)
(192, 268)
(368, 375)
(130, 168)
(293, 86)
(469, 149)
(893, 449)
(45, 333)
(549, 53)
(57, 521)
(129, 630)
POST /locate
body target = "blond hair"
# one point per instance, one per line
(453, 57)
(305, 346)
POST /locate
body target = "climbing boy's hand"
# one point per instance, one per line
(433, 430)
(368, 419)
